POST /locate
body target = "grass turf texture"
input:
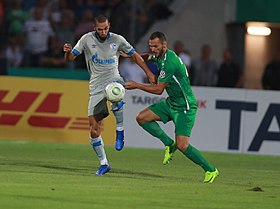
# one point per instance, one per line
(55, 175)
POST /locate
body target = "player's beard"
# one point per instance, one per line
(160, 53)
(101, 38)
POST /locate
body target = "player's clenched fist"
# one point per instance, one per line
(67, 47)
(68, 56)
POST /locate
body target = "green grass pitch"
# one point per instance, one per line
(55, 175)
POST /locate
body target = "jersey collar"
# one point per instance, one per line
(97, 36)
(163, 58)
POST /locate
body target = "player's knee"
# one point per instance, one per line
(182, 146)
(95, 132)
(140, 118)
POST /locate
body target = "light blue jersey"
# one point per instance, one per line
(102, 58)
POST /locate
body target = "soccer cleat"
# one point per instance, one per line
(119, 140)
(210, 176)
(169, 151)
(102, 170)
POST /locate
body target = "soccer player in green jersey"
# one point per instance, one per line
(180, 106)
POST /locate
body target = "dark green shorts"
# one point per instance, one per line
(183, 119)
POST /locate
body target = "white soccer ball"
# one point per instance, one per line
(114, 92)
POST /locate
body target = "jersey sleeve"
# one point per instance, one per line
(79, 47)
(125, 46)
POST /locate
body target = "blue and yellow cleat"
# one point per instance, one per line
(119, 140)
(102, 170)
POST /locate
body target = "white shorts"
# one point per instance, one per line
(97, 101)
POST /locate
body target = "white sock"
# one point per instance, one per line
(120, 128)
(98, 146)
(118, 113)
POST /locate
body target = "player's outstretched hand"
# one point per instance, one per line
(130, 85)
(67, 47)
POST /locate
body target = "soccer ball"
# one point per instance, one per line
(114, 92)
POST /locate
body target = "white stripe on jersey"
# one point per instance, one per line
(176, 80)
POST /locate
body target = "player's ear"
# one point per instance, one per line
(164, 44)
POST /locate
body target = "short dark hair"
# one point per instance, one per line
(100, 18)
(158, 35)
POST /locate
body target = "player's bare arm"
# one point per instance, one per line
(69, 56)
(154, 89)
(146, 56)
(140, 61)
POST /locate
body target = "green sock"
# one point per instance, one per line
(194, 155)
(155, 130)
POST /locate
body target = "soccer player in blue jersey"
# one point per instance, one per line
(179, 107)
(102, 49)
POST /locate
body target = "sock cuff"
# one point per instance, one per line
(144, 124)
(188, 150)
(119, 128)
(95, 141)
(117, 106)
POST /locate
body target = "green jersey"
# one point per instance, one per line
(174, 72)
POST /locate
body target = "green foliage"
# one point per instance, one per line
(53, 175)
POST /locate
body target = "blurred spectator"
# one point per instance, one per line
(38, 31)
(271, 76)
(182, 53)
(204, 68)
(123, 22)
(56, 9)
(65, 28)
(112, 7)
(85, 25)
(96, 6)
(129, 70)
(64, 31)
(14, 52)
(16, 16)
(44, 5)
(118, 7)
(54, 58)
(229, 73)
(79, 8)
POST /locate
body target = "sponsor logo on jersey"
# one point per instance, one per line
(113, 46)
(162, 74)
(96, 60)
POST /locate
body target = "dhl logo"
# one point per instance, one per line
(50, 105)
